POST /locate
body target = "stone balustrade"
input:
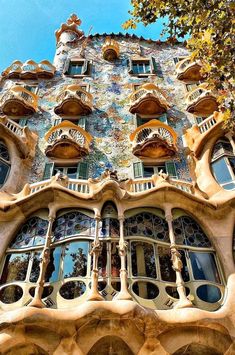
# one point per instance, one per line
(154, 139)
(19, 102)
(29, 70)
(67, 140)
(148, 99)
(74, 101)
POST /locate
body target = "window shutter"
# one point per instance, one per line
(48, 171)
(82, 122)
(84, 67)
(138, 121)
(176, 59)
(82, 170)
(23, 122)
(171, 170)
(130, 66)
(57, 121)
(163, 118)
(153, 65)
(138, 170)
(66, 66)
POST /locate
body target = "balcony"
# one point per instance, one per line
(154, 139)
(19, 102)
(110, 49)
(148, 100)
(201, 101)
(30, 70)
(196, 136)
(67, 141)
(23, 138)
(74, 101)
(187, 69)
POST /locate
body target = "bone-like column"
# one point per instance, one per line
(177, 266)
(44, 261)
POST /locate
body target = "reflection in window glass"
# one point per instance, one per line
(145, 290)
(204, 267)
(33, 232)
(52, 272)
(209, 293)
(102, 261)
(115, 260)
(15, 268)
(35, 267)
(167, 272)
(73, 223)
(221, 171)
(4, 168)
(75, 259)
(109, 228)
(143, 259)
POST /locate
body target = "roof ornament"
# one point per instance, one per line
(74, 20)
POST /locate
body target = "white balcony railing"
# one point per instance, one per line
(205, 125)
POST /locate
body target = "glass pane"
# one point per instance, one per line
(109, 228)
(72, 289)
(209, 293)
(141, 68)
(52, 272)
(15, 267)
(75, 68)
(135, 68)
(145, 290)
(102, 261)
(187, 231)
(115, 260)
(147, 68)
(148, 171)
(143, 259)
(75, 259)
(35, 267)
(204, 267)
(73, 223)
(167, 272)
(72, 172)
(4, 152)
(148, 225)
(4, 168)
(221, 171)
(229, 186)
(11, 294)
(33, 232)
(232, 164)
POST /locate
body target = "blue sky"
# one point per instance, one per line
(27, 26)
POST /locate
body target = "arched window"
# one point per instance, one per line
(4, 163)
(22, 258)
(152, 277)
(223, 164)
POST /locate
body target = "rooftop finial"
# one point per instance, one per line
(74, 20)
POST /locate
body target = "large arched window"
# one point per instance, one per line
(4, 163)
(21, 264)
(223, 164)
(151, 276)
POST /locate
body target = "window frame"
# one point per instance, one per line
(85, 67)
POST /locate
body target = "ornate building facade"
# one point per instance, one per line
(117, 187)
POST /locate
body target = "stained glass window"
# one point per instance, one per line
(32, 233)
(4, 163)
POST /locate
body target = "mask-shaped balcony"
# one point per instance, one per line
(201, 101)
(24, 139)
(30, 70)
(154, 139)
(187, 69)
(67, 141)
(110, 49)
(196, 136)
(148, 100)
(19, 102)
(74, 101)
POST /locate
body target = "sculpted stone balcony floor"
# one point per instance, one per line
(22, 136)
(67, 141)
(196, 136)
(19, 102)
(187, 69)
(110, 49)
(201, 101)
(74, 101)
(154, 139)
(148, 100)
(30, 70)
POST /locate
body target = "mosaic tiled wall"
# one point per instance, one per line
(111, 123)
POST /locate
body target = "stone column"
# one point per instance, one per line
(95, 253)
(44, 261)
(177, 265)
(123, 294)
(231, 140)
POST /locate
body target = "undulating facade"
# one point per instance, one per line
(117, 190)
